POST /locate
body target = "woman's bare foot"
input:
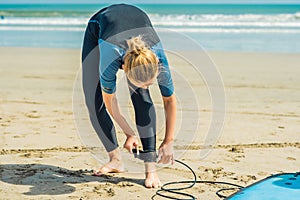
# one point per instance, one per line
(115, 164)
(152, 180)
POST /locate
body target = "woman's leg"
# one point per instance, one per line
(99, 117)
(145, 118)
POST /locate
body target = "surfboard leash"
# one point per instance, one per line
(163, 191)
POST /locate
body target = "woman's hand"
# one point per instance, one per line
(165, 153)
(131, 142)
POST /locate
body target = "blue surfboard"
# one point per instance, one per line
(275, 187)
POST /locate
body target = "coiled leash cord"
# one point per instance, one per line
(161, 192)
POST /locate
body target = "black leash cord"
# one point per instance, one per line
(163, 190)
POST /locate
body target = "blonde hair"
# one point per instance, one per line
(141, 64)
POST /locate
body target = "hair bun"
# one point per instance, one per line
(136, 51)
(136, 45)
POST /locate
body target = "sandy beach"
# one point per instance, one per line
(42, 157)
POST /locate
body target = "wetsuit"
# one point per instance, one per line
(104, 47)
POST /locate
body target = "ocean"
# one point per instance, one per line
(230, 27)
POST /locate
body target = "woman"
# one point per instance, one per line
(122, 37)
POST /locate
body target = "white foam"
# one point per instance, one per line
(280, 20)
(34, 28)
(246, 20)
(231, 30)
(183, 30)
(246, 23)
(223, 17)
(227, 24)
(43, 21)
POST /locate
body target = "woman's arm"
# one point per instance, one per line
(170, 112)
(112, 106)
(166, 154)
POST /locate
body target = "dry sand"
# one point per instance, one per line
(42, 156)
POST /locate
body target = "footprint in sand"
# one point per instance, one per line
(291, 158)
(32, 114)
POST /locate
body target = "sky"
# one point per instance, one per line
(153, 1)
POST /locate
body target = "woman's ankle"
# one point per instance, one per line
(115, 155)
(150, 167)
